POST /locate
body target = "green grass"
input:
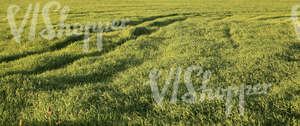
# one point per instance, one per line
(243, 42)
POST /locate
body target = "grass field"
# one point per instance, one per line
(242, 42)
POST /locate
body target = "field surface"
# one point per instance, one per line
(242, 42)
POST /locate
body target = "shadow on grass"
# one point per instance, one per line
(65, 60)
(149, 19)
(56, 46)
(70, 40)
(270, 18)
(292, 54)
(103, 73)
(165, 22)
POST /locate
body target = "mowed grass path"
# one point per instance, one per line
(242, 42)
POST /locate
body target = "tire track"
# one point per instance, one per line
(272, 18)
(72, 39)
(55, 47)
(135, 33)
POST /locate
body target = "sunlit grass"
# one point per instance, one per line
(44, 82)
